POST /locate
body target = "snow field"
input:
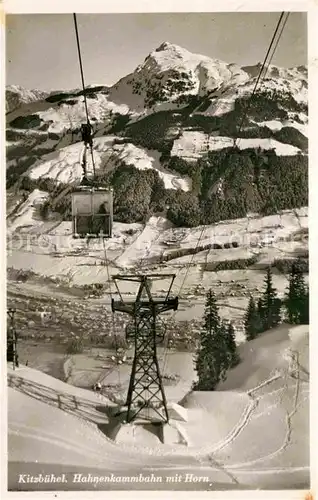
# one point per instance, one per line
(256, 442)
(192, 144)
(72, 116)
(26, 215)
(276, 125)
(64, 165)
(55, 253)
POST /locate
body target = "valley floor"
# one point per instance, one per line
(250, 433)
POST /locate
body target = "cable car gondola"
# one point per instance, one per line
(92, 212)
(92, 205)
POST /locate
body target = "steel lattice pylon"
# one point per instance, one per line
(145, 386)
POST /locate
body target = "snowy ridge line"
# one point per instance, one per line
(202, 76)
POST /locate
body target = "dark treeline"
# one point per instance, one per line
(217, 351)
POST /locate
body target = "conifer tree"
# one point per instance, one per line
(252, 320)
(261, 313)
(212, 361)
(304, 315)
(270, 303)
(233, 356)
(297, 298)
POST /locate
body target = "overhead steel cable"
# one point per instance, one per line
(260, 74)
(83, 84)
(267, 68)
(235, 142)
(113, 326)
(166, 341)
(276, 45)
(81, 65)
(94, 173)
(241, 124)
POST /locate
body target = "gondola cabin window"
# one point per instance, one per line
(92, 212)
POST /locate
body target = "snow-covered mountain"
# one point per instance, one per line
(170, 72)
(296, 73)
(175, 104)
(167, 77)
(16, 96)
(186, 202)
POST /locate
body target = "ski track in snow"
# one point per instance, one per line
(80, 405)
(205, 455)
(64, 166)
(239, 427)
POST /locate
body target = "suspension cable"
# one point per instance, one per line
(83, 85)
(276, 44)
(259, 75)
(113, 318)
(164, 358)
(235, 144)
(243, 119)
(267, 68)
(81, 65)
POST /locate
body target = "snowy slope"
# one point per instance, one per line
(16, 96)
(192, 145)
(271, 354)
(26, 216)
(229, 447)
(64, 164)
(297, 76)
(164, 81)
(276, 125)
(171, 70)
(135, 243)
(168, 73)
(71, 116)
(226, 99)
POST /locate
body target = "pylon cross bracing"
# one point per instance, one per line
(145, 387)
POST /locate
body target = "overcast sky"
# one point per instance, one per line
(42, 52)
